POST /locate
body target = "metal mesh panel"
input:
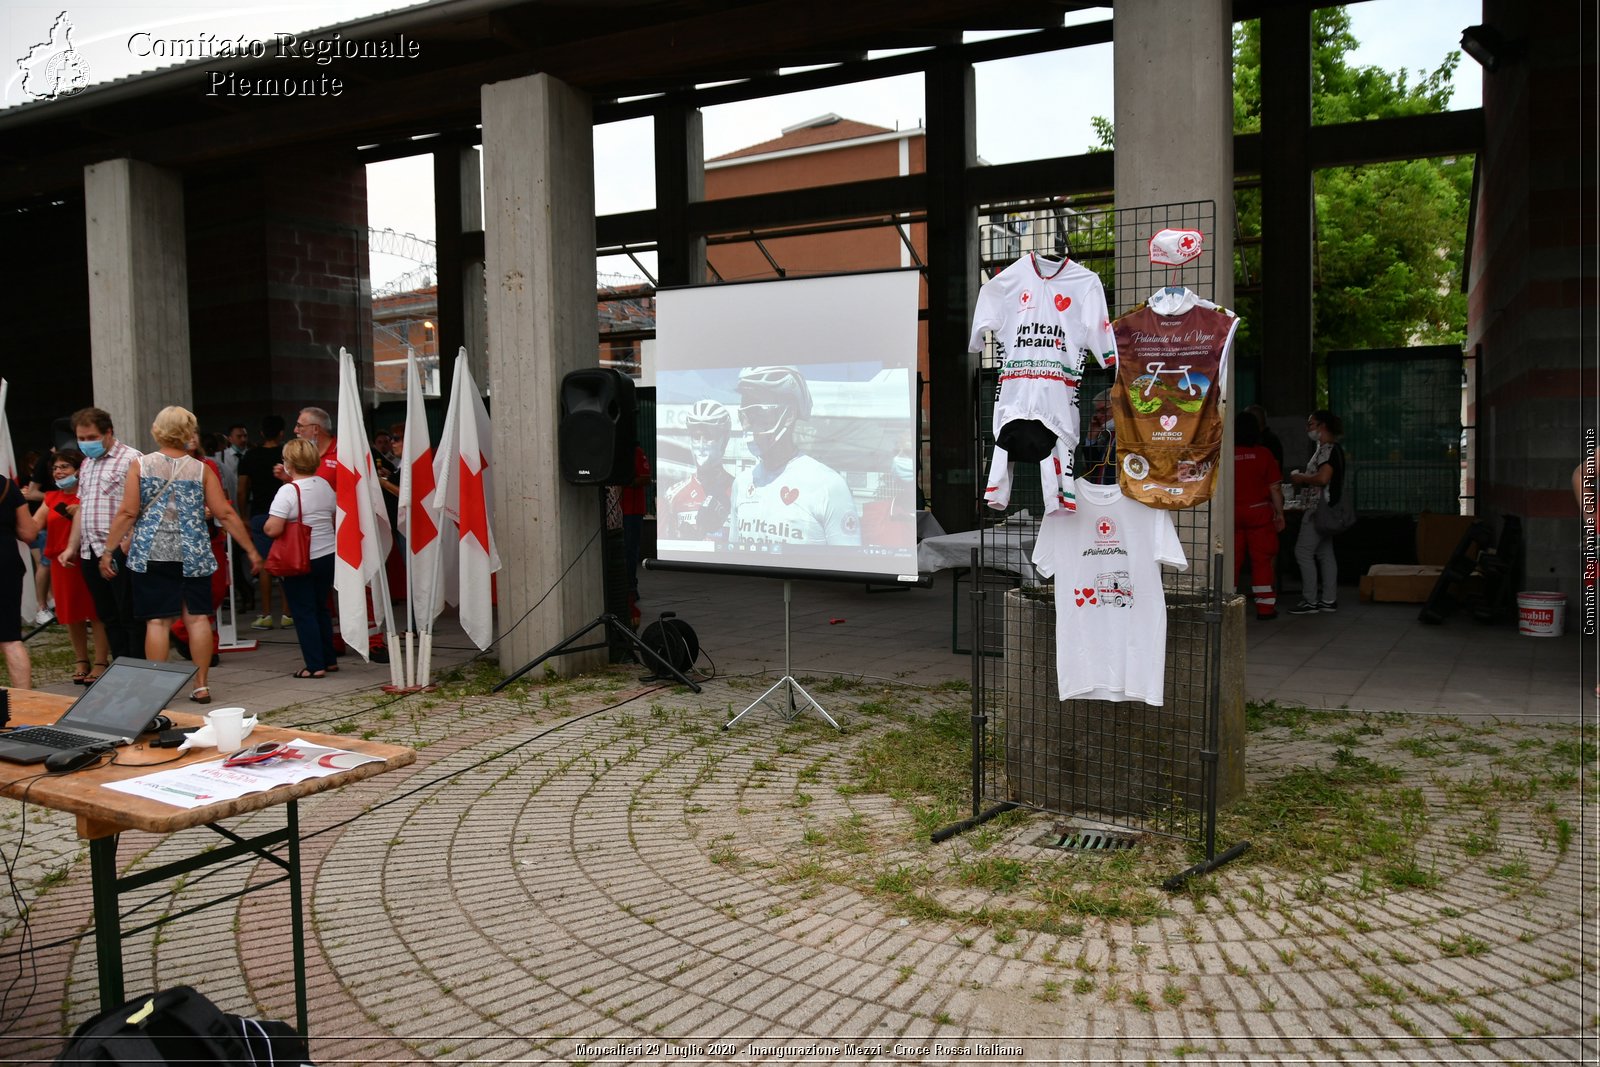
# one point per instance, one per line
(1401, 409)
(1126, 763)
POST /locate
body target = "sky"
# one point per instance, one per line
(116, 38)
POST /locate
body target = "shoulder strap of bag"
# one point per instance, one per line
(300, 500)
(160, 492)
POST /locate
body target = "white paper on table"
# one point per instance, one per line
(200, 784)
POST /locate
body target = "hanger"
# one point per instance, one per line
(1173, 288)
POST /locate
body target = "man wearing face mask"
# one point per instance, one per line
(100, 479)
(787, 498)
(697, 507)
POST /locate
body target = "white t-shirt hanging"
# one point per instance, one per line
(1111, 612)
(1048, 320)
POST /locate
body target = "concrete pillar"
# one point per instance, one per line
(1173, 78)
(539, 250)
(138, 293)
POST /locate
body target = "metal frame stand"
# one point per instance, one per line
(787, 681)
(108, 888)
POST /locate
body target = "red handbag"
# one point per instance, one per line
(291, 549)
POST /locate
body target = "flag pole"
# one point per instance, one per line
(408, 650)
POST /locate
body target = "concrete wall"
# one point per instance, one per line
(46, 348)
(278, 282)
(1531, 281)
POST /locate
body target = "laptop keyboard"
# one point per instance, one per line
(50, 737)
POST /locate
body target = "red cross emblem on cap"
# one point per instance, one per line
(1187, 243)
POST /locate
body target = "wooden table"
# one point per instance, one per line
(104, 813)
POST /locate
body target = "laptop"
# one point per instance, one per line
(112, 711)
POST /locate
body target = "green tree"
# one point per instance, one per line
(1390, 236)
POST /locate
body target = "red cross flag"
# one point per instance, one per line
(8, 470)
(465, 493)
(361, 524)
(418, 515)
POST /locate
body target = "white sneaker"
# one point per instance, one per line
(42, 616)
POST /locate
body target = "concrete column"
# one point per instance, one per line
(138, 293)
(1173, 78)
(539, 251)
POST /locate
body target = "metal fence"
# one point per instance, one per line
(1403, 434)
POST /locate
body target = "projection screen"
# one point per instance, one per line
(785, 436)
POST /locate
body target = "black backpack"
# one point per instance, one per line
(180, 1026)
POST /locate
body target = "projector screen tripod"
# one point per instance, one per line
(787, 682)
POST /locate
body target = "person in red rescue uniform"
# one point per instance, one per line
(1257, 513)
(634, 503)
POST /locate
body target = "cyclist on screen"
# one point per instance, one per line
(787, 498)
(697, 507)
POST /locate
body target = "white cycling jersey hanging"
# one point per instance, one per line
(1172, 368)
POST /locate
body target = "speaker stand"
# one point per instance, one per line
(617, 628)
(787, 682)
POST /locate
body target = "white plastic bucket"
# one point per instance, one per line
(1541, 614)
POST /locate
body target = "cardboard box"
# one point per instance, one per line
(1438, 536)
(1399, 583)
(1404, 583)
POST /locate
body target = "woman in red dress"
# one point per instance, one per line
(74, 608)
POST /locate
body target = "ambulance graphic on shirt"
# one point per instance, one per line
(807, 503)
(1111, 614)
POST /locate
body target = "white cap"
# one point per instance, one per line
(1175, 247)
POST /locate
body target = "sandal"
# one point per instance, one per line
(305, 672)
(201, 695)
(333, 669)
(81, 675)
(94, 675)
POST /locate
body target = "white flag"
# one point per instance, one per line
(8, 469)
(462, 471)
(419, 510)
(361, 525)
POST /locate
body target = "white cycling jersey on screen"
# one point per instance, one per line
(806, 503)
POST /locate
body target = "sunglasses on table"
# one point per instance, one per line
(260, 753)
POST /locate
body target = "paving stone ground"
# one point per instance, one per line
(549, 882)
(596, 872)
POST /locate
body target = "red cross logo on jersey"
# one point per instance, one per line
(1106, 529)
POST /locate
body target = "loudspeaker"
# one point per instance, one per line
(597, 435)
